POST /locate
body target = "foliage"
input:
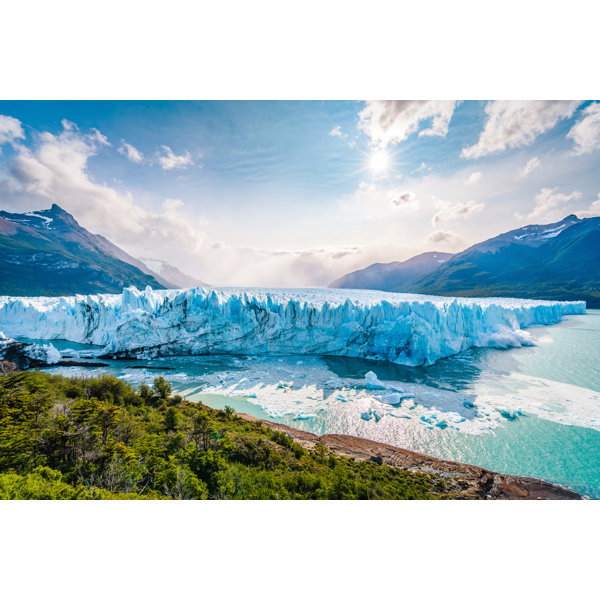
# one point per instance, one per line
(99, 438)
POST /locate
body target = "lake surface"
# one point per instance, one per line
(530, 411)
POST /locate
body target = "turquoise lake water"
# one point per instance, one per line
(531, 411)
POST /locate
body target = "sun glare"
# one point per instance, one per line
(379, 162)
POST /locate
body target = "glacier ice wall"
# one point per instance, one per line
(402, 328)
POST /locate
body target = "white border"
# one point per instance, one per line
(300, 50)
(334, 49)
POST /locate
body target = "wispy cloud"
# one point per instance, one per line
(586, 132)
(511, 124)
(55, 169)
(550, 205)
(379, 199)
(393, 121)
(531, 166)
(131, 152)
(10, 130)
(447, 239)
(592, 211)
(459, 210)
(403, 199)
(474, 177)
(168, 160)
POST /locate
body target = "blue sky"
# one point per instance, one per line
(298, 193)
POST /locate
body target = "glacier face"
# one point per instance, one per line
(403, 328)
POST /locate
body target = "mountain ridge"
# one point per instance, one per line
(396, 276)
(554, 261)
(47, 252)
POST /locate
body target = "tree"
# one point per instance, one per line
(203, 431)
(171, 419)
(162, 388)
(145, 392)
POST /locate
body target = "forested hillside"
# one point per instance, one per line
(99, 438)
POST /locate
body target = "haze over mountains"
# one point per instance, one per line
(173, 276)
(558, 261)
(48, 253)
(395, 276)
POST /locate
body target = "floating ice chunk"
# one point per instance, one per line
(456, 418)
(511, 415)
(302, 416)
(392, 398)
(399, 415)
(372, 382)
(468, 404)
(371, 414)
(46, 353)
(284, 385)
(429, 418)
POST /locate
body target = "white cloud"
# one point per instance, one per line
(55, 170)
(377, 200)
(586, 132)
(592, 211)
(392, 121)
(169, 160)
(337, 132)
(448, 239)
(531, 166)
(511, 124)
(422, 167)
(453, 211)
(403, 199)
(474, 177)
(550, 205)
(131, 152)
(10, 130)
(172, 204)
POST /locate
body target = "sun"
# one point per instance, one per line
(379, 162)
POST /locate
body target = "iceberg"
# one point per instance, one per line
(372, 382)
(27, 355)
(407, 329)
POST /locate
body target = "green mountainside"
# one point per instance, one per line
(47, 253)
(99, 438)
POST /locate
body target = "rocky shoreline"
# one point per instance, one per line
(467, 481)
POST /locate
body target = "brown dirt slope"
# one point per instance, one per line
(465, 481)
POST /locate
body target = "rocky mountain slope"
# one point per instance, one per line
(558, 261)
(47, 253)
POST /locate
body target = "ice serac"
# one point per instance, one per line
(402, 328)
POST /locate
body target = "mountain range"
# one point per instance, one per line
(48, 253)
(394, 276)
(558, 261)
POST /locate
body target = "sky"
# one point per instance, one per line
(296, 194)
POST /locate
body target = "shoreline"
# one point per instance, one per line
(469, 481)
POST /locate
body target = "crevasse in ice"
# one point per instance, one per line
(402, 328)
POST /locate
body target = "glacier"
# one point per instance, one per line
(407, 329)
